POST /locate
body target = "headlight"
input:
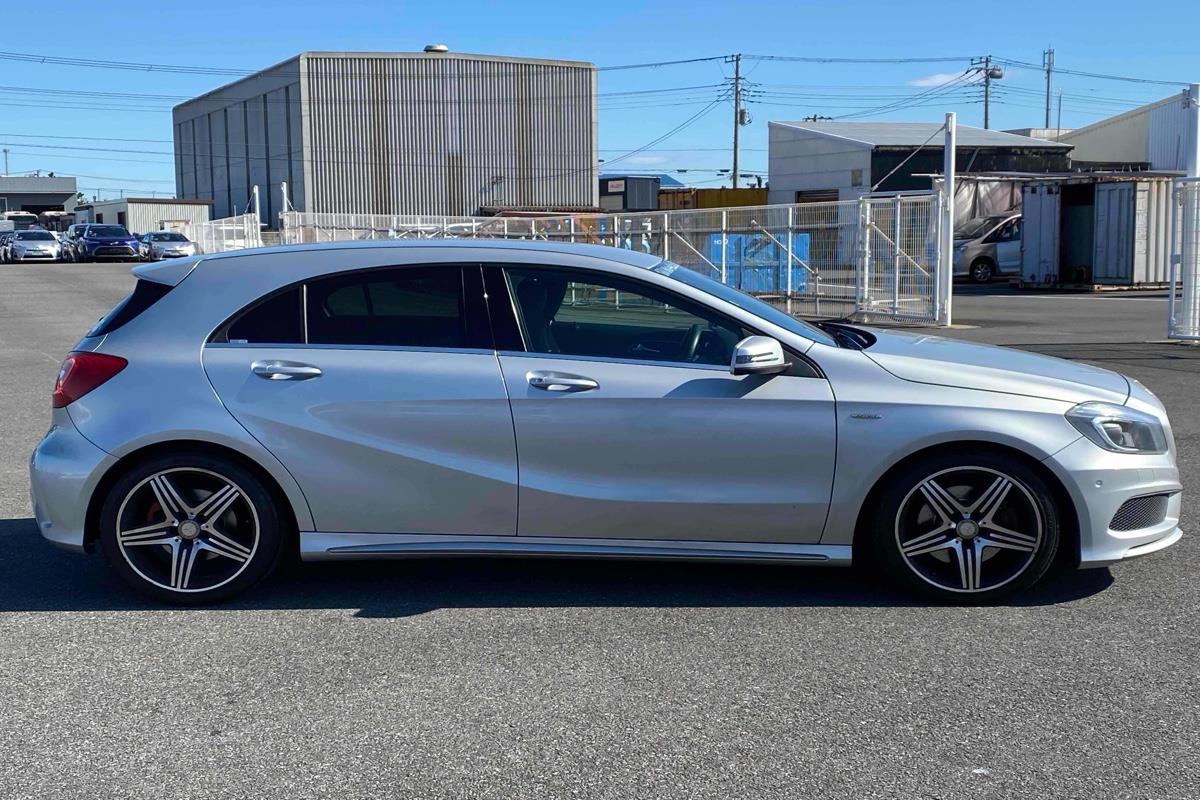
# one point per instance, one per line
(1119, 428)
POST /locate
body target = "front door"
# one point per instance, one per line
(372, 390)
(629, 424)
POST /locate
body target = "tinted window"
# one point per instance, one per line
(400, 307)
(35, 236)
(107, 231)
(276, 320)
(589, 314)
(168, 237)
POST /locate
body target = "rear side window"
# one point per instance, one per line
(399, 308)
(145, 294)
(275, 320)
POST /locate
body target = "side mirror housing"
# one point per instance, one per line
(758, 355)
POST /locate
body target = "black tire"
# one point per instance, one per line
(982, 270)
(906, 518)
(249, 529)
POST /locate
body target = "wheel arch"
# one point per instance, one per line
(288, 515)
(1069, 550)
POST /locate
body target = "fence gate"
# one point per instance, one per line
(872, 259)
(1183, 303)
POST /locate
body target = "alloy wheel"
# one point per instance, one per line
(969, 529)
(981, 272)
(187, 529)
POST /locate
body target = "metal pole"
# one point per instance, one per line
(6, 161)
(790, 224)
(1058, 124)
(987, 89)
(724, 246)
(1192, 156)
(945, 273)
(254, 202)
(1048, 64)
(896, 256)
(737, 112)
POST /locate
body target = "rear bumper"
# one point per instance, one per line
(63, 472)
(1100, 482)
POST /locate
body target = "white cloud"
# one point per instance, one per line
(936, 79)
(644, 160)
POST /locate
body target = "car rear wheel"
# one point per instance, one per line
(983, 270)
(190, 529)
(967, 528)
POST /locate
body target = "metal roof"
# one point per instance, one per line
(917, 134)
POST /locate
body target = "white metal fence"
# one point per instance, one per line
(230, 233)
(1183, 306)
(873, 259)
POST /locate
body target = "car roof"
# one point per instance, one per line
(617, 254)
(173, 272)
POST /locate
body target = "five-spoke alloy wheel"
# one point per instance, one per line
(967, 529)
(190, 528)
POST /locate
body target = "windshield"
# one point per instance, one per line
(745, 302)
(168, 237)
(973, 229)
(107, 231)
(37, 236)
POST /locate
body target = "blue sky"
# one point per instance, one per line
(1155, 40)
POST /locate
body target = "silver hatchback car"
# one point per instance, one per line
(382, 400)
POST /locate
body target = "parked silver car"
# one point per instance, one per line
(157, 245)
(987, 247)
(33, 245)
(376, 400)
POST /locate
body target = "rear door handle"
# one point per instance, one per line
(284, 370)
(560, 381)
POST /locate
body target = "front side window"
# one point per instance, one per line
(591, 314)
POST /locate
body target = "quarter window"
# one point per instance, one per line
(587, 314)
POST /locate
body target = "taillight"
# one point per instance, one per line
(82, 372)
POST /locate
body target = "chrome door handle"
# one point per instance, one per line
(559, 381)
(284, 370)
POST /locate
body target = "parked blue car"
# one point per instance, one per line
(98, 242)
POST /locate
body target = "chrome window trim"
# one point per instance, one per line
(611, 360)
(358, 347)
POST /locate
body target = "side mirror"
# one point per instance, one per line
(758, 355)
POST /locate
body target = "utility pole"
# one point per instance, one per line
(1048, 65)
(987, 90)
(737, 111)
(6, 161)
(1058, 126)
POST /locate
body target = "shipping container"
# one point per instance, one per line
(680, 199)
(1101, 230)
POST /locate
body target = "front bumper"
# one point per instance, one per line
(111, 251)
(63, 473)
(20, 257)
(1100, 482)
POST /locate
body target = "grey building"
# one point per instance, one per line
(394, 133)
(145, 214)
(34, 194)
(813, 161)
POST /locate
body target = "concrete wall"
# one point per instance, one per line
(799, 160)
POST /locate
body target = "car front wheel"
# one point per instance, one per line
(190, 529)
(967, 528)
(982, 271)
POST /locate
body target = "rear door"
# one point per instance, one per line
(380, 391)
(1008, 247)
(629, 424)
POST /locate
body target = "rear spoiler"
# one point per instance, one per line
(170, 273)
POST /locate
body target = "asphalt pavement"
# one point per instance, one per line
(546, 679)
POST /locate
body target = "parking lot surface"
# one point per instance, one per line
(521, 678)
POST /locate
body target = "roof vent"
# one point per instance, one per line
(436, 48)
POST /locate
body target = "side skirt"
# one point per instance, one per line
(318, 546)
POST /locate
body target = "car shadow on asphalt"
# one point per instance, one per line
(36, 576)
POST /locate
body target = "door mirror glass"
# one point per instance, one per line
(758, 355)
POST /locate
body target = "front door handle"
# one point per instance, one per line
(559, 381)
(284, 370)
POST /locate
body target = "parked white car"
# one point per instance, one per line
(157, 245)
(34, 245)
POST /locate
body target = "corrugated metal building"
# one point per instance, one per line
(145, 214)
(394, 133)
(1154, 136)
(814, 161)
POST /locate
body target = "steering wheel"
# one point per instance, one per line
(691, 342)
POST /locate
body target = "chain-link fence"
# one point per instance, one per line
(1184, 298)
(230, 233)
(872, 258)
